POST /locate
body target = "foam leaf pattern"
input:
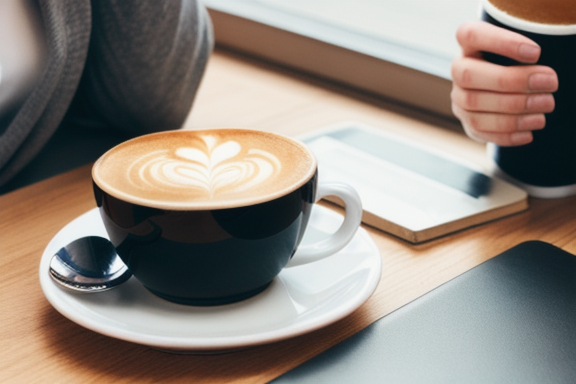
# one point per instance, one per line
(208, 170)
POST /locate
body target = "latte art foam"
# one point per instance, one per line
(197, 168)
(218, 170)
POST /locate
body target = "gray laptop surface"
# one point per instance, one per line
(512, 319)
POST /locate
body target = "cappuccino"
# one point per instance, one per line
(561, 12)
(204, 169)
(211, 217)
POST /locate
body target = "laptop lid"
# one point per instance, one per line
(512, 319)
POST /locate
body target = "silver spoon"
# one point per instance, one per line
(89, 264)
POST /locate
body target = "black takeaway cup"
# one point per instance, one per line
(210, 217)
(546, 167)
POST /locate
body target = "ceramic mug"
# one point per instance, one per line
(546, 167)
(209, 217)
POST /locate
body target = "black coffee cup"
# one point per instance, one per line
(546, 167)
(209, 253)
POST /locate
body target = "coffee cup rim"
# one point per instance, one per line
(526, 25)
(195, 206)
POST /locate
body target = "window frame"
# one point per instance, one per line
(417, 78)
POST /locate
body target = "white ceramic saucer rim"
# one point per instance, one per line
(208, 343)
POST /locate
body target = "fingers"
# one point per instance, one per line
(502, 104)
(505, 103)
(478, 74)
(475, 37)
(505, 140)
(496, 103)
(502, 118)
(502, 129)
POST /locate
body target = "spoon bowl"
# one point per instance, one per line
(88, 264)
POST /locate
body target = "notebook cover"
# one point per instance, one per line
(512, 319)
(409, 190)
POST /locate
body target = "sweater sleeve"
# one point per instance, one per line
(145, 63)
(132, 66)
(66, 28)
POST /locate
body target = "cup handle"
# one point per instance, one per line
(352, 219)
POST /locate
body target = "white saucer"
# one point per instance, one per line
(301, 299)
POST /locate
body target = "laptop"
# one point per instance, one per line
(511, 319)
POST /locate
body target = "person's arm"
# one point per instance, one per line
(132, 66)
(495, 103)
(144, 65)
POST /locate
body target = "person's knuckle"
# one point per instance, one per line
(466, 34)
(465, 77)
(511, 80)
(503, 82)
(454, 95)
(513, 103)
(505, 140)
(474, 122)
(508, 124)
(471, 100)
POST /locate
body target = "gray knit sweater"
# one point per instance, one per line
(128, 65)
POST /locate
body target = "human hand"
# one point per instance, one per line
(495, 103)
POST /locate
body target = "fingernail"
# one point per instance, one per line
(540, 103)
(520, 138)
(531, 122)
(529, 53)
(542, 82)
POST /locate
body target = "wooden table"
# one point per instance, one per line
(40, 345)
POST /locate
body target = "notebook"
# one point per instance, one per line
(512, 319)
(408, 190)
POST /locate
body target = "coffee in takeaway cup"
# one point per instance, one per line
(209, 217)
(547, 166)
